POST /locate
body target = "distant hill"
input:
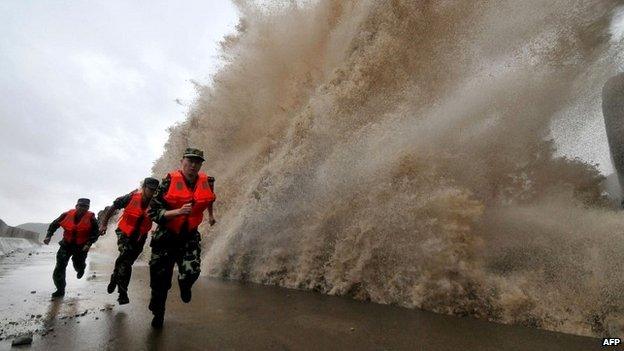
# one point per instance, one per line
(40, 228)
(13, 232)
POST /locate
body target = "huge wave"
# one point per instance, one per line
(401, 152)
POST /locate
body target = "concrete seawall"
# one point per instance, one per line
(12, 232)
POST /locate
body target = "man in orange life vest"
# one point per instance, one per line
(178, 207)
(131, 234)
(80, 231)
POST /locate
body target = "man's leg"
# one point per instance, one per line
(189, 263)
(126, 259)
(113, 279)
(62, 258)
(161, 270)
(122, 247)
(79, 260)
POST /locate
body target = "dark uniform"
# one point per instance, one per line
(129, 250)
(129, 246)
(69, 248)
(169, 249)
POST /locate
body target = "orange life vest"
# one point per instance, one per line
(134, 215)
(179, 194)
(76, 233)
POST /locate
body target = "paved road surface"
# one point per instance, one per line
(231, 316)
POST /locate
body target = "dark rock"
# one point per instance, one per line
(22, 340)
(34, 291)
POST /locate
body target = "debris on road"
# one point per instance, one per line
(22, 340)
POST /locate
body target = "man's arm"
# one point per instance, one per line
(158, 211)
(118, 204)
(94, 234)
(211, 219)
(53, 227)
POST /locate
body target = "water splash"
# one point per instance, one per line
(401, 152)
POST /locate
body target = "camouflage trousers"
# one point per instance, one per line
(130, 247)
(64, 253)
(166, 254)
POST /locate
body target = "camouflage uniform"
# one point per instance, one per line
(129, 250)
(69, 250)
(169, 249)
(130, 247)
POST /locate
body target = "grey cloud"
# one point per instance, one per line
(87, 91)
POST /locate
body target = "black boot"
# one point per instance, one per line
(157, 302)
(185, 291)
(186, 295)
(158, 320)
(111, 285)
(58, 293)
(123, 298)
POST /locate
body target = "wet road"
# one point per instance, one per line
(231, 316)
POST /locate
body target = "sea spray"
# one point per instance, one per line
(401, 152)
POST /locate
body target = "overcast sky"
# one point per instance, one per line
(87, 91)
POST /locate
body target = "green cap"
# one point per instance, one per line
(151, 183)
(83, 202)
(194, 153)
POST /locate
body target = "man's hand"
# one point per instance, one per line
(185, 209)
(182, 211)
(102, 230)
(86, 247)
(47, 240)
(211, 221)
